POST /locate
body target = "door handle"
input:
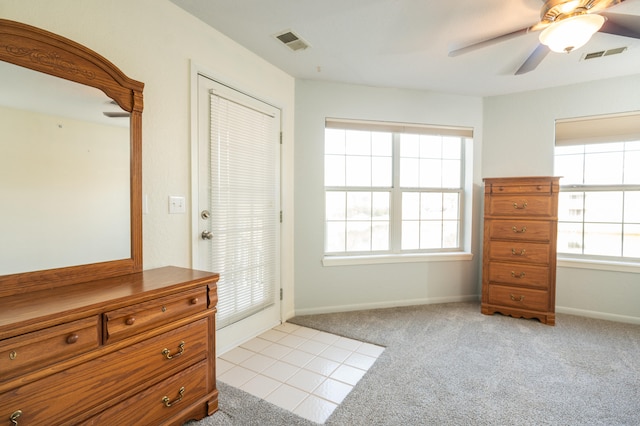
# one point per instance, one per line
(206, 235)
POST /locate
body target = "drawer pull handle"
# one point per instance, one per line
(516, 206)
(72, 338)
(521, 231)
(167, 353)
(167, 402)
(14, 417)
(194, 301)
(13, 355)
(520, 275)
(516, 299)
(515, 253)
(130, 320)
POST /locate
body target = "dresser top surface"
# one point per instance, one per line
(71, 302)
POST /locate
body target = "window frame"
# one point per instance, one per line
(395, 254)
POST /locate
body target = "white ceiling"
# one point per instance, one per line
(405, 43)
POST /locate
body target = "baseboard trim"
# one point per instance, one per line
(598, 315)
(387, 304)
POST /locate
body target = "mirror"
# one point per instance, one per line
(70, 162)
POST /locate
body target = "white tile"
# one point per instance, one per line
(306, 380)
(237, 355)
(346, 343)
(256, 344)
(371, 350)
(257, 363)
(333, 390)
(273, 335)
(222, 366)
(287, 327)
(324, 337)
(292, 341)
(315, 409)
(286, 397)
(322, 366)
(305, 332)
(237, 376)
(276, 351)
(335, 354)
(298, 358)
(347, 374)
(280, 371)
(261, 386)
(313, 347)
(358, 360)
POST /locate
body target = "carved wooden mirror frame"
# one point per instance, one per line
(40, 50)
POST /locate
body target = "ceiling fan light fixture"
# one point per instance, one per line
(571, 33)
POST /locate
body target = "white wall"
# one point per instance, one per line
(519, 141)
(335, 288)
(153, 41)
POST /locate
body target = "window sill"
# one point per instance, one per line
(601, 265)
(395, 258)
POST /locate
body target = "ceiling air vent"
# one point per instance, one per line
(292, 40)
(602, 53)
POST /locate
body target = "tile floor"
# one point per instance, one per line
(305, 371)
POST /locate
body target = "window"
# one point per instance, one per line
(599, 204)
(393, 189)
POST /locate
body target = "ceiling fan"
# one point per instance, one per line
(566, 25)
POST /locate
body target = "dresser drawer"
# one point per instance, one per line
(130, 320)
(32, 351)
(517, 251)
(520, 230)
(159, 402)
(520, 205)
(516, 297)
(519, 274)
(522, 188)
(59, 398)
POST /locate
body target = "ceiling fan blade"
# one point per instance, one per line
(534, 59)
(622, 25)
(489, 42)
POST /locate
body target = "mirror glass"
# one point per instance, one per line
(64, 173)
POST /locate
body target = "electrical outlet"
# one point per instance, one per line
(177, 204)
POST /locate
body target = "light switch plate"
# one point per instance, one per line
(177, 204)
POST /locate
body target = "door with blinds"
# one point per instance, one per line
(238, 233)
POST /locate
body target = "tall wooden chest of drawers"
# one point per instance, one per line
(519, 249)
(136, 349)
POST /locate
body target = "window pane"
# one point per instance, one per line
(604, 147)
(603, 207)
(632, 207)
(430, 146)
(631, 241)
(430, 174)
(410, 206)
(571, 206)
(358, 171)
(451, 148)
(358, 142)
(380, 206)
(570, 238)
(380, 236)
(451, 206)
(632, 168)
(603, 239)
(336, 236)
(451, 174)
(334, 141)
(381, 144)
(603, 169)
(570, 167)
(430, 235)
(431, 206)
(410, 235)
(409, 146)
(358, 236)
(335, 205)
(409, 172)
(382, 175)
(359, 206)
(450, 234)
(334, 173)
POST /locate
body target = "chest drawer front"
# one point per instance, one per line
(130, 320)
(522, 188)
(161, 401)
(520, 205)
(519, 274)
(32, 351)
(59, 398)
(516, 297)
(520, 230)
(516, 251)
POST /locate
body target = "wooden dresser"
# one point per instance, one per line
(519, 250)
(136, 349)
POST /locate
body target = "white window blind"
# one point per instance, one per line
(244, 212)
